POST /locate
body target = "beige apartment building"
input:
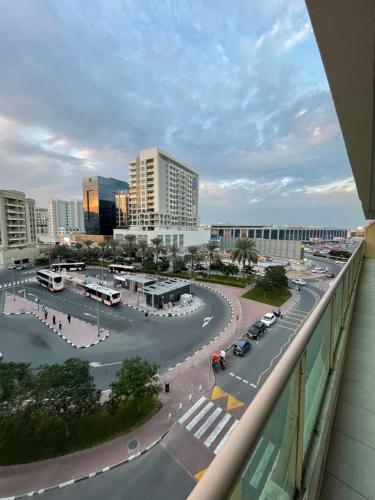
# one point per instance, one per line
(163, 191)
(163, 200)
(17, 227)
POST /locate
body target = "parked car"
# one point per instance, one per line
(299, 282)
(319, 270)
(240, 347)
(20, 267)
(330, 275)
(256, 330)
(12, 267)
(269, 319)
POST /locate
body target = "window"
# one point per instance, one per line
(251, 233)
(273, 234)
(281, 234)
(258, 233)
(236, 233)
(266, 234)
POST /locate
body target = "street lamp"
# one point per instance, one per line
(13, 285)
(36, 299)
(97, 317)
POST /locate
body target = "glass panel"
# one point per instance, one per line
(251, 233)
(338, 315)
(317, 364)
(270, 472)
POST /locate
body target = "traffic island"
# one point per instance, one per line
(79, 334)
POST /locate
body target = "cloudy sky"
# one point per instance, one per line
(236, 89)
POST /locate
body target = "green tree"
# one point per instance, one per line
(244, 253)
(173, 254)
(137, 379)
(179, 265)
(65, 391)
(229, 269)
(142, 248)
(157, 246)
(277, 276)
(212, 254)
(265, 283)
(130, 245)
(193, 256)
(15, 387)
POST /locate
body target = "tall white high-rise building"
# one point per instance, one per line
(163, 191)
(163, 200)
(41, 217)
(65, 217)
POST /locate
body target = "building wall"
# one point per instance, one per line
(272, 248)
(18, 255)
(17, 220)
(182, 238)
(99, 203)
(65, 216)
(163, 191)
(41, 220)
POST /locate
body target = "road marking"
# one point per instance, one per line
(217, 392)
(191, 410)
(96, 364)
(253, 385)
(287, 328)
(203, 428)
(297, 321)
(246, 381)
(220, 426)
(88, 314)
(199, 416)
(289, 322)
(206, 321)
(299, 310)
(238, 378)
(233, 403)
(225, 438)
(231, 374)
(200, 474)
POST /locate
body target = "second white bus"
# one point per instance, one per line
(68, 266)
(49, 279)
(120, 268)
(102, 294)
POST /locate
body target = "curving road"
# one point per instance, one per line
(165, 341)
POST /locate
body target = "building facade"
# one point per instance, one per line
(41, 220)
(99, 203)
(65, 217)
(276, 241)
(122, 209)
(17, 228)
(163, 192)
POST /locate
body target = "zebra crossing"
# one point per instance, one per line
(16, 283)
(293, 320)
(209, 423)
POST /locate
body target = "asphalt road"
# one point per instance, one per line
(165, 341)
(154, 475)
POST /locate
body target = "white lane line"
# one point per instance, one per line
(287, 328)
(220, 426)
(225, 438)
(289, 323)
(295, 321)
(199, 416)
(299, 310)
(300, 316)
(246, 381)
(238, 378)
(203, 428)
(253, 385)
(191, 410)
(232, 374)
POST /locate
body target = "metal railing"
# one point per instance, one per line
(266, 455)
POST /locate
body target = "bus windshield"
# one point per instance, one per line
(58, 279)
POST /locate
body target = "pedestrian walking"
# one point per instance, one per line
(60, 325)
(146, 314)
(45, 315)
(54, 319)
(43, 308)
(280, 313)
(69, 318)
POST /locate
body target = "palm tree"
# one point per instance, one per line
(211, 252)
(130, 245)
(243, 252)
(192, 256)
(114, 246)
(88, 243)
(157, 245)
(142, 248)
(173, 252)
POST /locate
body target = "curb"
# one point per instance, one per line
(88, 476)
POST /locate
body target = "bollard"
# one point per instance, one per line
(200, 387)
(190, 397)
(180, 406)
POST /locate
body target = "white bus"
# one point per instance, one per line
(120, 268)
(102, 294)
(50, 280)
(68, 266)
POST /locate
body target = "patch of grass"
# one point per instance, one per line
(224, 280)
(25, 439)
(275, 298)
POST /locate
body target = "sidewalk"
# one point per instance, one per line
(78, 333)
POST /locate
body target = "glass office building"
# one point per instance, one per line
(99, 203)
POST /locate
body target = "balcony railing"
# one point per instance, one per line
(276, 449)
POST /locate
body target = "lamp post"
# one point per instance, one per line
(36, 298)
(97, 318)
(13, 285)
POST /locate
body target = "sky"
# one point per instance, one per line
(236, 90)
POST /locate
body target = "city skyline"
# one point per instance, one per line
(237, 91)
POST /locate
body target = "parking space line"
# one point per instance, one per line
(288, 322)
(300, 311)
(287, 328)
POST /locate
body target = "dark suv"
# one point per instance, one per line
(240, 347)
(256, 330)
